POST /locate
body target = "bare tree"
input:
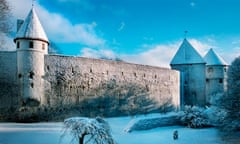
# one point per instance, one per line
(95, 131)
(4, 16)
(5, 26)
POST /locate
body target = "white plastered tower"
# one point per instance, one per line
(216, 75)
(31, 44)
(192, 74)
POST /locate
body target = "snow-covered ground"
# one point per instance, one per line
(50, 133)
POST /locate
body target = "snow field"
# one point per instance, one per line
(50, 133)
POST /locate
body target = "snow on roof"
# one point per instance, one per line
(213, 58)
(31, 28)
(186, 54)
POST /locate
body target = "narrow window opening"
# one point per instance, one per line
(30, 44)
(144, 75)
(155, 76)
(19, 75)
(18, 44)
(31, 74)
(220, 80)
(122, 73)
(43, 46)
(90, 70)
(135, 74)
(48, 67)
(72, 70)
(31, 85)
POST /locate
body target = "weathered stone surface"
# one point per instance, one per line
(76, 86)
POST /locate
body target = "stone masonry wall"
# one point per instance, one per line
(104, 87)
(76, 86)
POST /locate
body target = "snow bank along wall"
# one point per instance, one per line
(90, 87)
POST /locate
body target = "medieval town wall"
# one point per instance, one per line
(76, 86)
(108, 86)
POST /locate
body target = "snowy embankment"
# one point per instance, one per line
(153, 121)
(50, 133)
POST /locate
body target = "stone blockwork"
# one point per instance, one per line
(76, 86)
(108, 87)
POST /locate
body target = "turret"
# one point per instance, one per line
(31, 44)
(192, 74)
(216, 75)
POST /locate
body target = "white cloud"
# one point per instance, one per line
(162, 54)
(201, 47)
(57, 27)
(155, 55)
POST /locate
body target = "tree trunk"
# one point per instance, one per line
(81, 139)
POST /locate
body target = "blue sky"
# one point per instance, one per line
(138, 31)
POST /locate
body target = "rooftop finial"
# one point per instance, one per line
(185, 34)
(33, 3)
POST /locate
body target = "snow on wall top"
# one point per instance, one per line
(31, 28)
(186, 54)
(213, 58)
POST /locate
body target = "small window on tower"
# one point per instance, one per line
(220, 80)
(18, 44)
(43, 46)
(31, 74)
(31, 85)
(30, 44)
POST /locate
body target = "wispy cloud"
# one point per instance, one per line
(122, 25)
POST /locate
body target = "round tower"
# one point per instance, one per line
(216, 75)
(31, 44)
(192, 74)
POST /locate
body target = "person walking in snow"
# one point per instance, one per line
(175, 135)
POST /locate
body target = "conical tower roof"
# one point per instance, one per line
(213, 58)
(31, 28)
(186, 54)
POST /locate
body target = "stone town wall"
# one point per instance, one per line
(76, 86)
(105, 87)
